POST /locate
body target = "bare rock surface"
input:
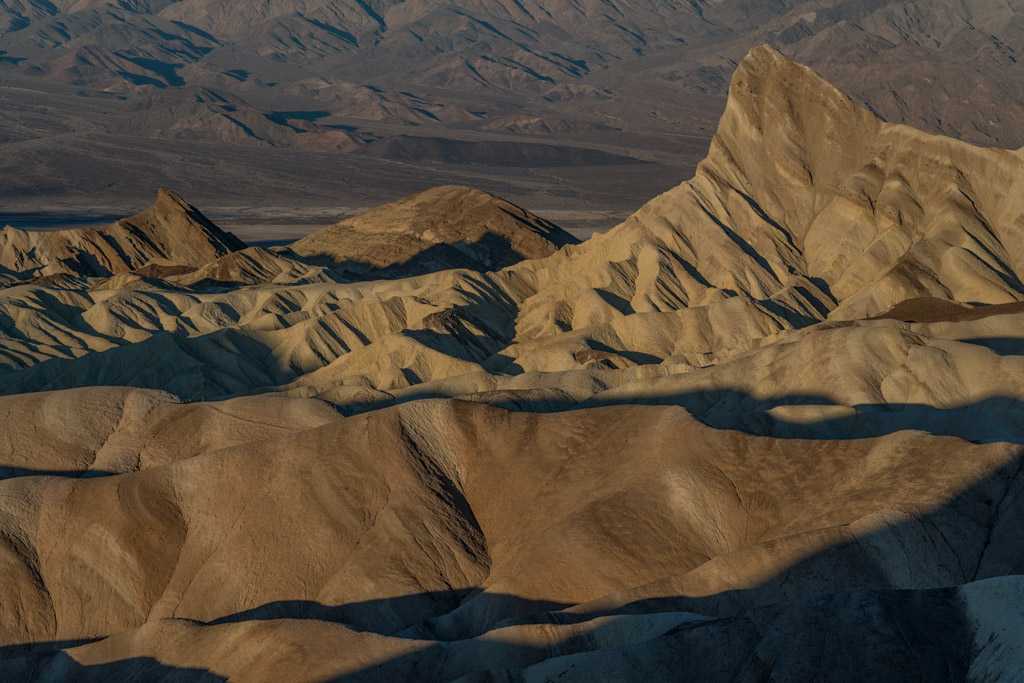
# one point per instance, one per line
(170, 231)
(440, 229)
(768, 428)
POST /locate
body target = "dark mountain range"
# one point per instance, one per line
(87, 86)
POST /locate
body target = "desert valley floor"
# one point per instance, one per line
(769, 427)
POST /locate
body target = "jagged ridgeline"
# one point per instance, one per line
(806, 209)
(769, 427)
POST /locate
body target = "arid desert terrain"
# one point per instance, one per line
(299, 106)
(768, 427)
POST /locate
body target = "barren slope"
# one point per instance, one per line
(440, 229)
(768, 428)
(169, 232)
(419, 537)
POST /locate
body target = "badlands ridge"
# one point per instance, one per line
(769, 427)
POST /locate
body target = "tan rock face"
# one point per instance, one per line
(446, 227)
(768, 427)
(802, 183)
(170, 231)
(441, 524)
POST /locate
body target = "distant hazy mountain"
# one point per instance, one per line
(637, 78)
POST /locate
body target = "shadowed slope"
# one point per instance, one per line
(446, 539)
(442, 228)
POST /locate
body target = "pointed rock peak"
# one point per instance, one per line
(170, 204)
(176, 219)
(786, 133)
(168, 197)
(169, 233)
(765, 72)
(769, 90)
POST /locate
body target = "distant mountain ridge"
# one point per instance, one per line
(635, 78)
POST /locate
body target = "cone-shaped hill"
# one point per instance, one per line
(171, 231)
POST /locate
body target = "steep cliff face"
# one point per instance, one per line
(802, 184)
(881, 213)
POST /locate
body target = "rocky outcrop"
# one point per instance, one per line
(172, 231)
(441, 228)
